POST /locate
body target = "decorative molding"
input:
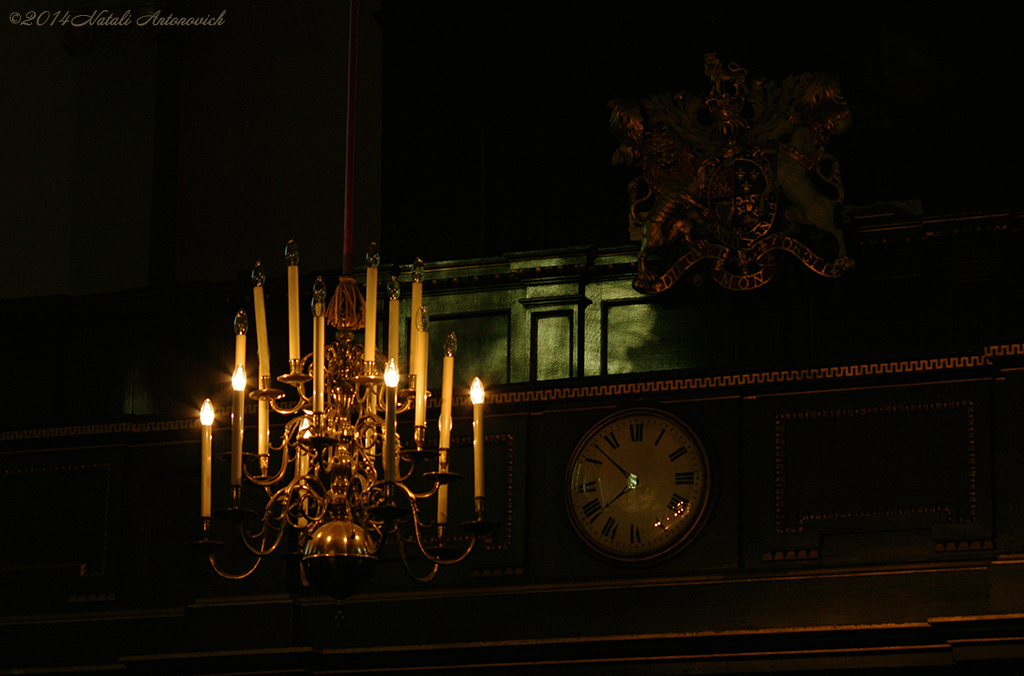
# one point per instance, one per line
(865, 411)
(964, 546)
(733, 380)
(791, 555)
(558, 301)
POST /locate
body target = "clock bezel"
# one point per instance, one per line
(679, 541)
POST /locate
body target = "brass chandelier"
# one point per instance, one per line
(340, 474)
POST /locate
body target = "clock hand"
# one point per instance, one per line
(624, 472)
(628, 487)
(631, 484)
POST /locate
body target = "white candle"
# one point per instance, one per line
(391, 420)
(319, 307)
(414, 313)
(301, 459)
(263, 442)
(206, 472)
(262, 344)
(421, 360)
(442, 492)
(237, 424)
(370, 334)
(241, 327)
(476, 393)
(292, 254)
(394, 315)
(444, 422)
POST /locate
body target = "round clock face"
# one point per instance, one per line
(637, 485)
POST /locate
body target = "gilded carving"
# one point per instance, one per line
(734, 177)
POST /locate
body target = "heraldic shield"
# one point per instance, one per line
(753, 183)
(738, 193)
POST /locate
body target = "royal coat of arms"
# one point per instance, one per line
(736, 177)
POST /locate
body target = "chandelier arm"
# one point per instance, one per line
(259, 551)
(419, 578)
(404, 477)
(270, 481)
(304, 486)
(300, 389)
(303, 402)
(437, 560)
(268, 516)
(230, 576)
(419, 540)
(429, 494)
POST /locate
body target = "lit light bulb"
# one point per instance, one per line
(206, 414)
(476, 392)
(238, 379)
(391, 374)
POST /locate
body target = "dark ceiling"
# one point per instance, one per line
(496, 120)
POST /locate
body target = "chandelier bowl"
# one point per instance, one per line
(337, 559)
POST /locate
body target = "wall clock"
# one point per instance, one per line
(637, 485)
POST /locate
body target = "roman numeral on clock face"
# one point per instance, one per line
(591, 508)
(634, 534)
(588, 487)
(684, 478)
(636, 431)
(677, 503)
(610, 527)
(678, 453)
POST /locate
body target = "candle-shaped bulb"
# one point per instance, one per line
(241, 323)
(422, 319)
(391, 374)
(394, 288)
(238, 379)
(257, 274)
(319, 304)
(417, 270)
(450, 345)
(291, 253)
(206, 414)
(476, 392)
(372, 256)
